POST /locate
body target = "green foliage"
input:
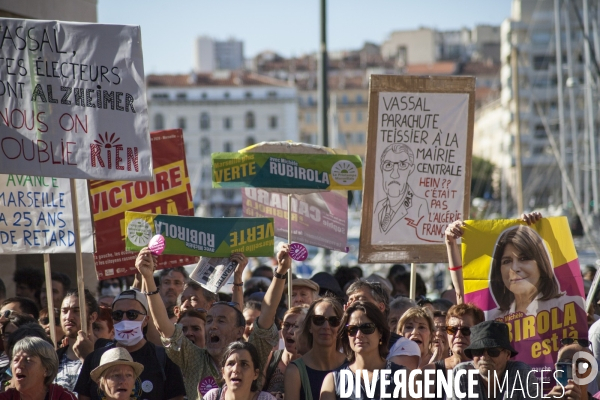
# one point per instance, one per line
(481, 178)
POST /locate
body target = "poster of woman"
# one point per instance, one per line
(529, 278)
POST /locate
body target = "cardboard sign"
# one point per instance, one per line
(169, 193)
(195, 236)
(319, 219)
(283, 170)
(72, 101)
(36, 215)
(506, 263)
(418, 166)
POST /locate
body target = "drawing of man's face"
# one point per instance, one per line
(395, 169)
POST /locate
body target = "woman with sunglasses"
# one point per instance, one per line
(280, 359)
(364, 337)
(304, 376)
(417, 325)
(459, 320)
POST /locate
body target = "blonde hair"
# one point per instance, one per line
(414, 313)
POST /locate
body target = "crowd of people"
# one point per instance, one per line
(161, 335)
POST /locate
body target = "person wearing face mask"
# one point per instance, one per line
(224, 324)
(161, 378)
(110, 287)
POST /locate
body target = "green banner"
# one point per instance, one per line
(287, 171)
(195, 236)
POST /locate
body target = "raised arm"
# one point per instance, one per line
(275, 291)
(531, 218)
(238, 286)
(453, 232)
(145, 264)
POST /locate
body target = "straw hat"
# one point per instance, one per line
(112, 357)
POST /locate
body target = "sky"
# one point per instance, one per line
(288, 27)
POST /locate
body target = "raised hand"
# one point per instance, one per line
(145, 263)
(531, 218)
(284, 260)
(454, 231)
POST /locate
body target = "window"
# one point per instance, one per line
(541, 62)
(307, 118)
(204, 121)
(250, 141)
(226, 95)
(272, 94)
(359, 99)
(229, 194)
(272, 122)
(204, 96)
(250, 123)
(248, 95)
(227, 147)
(347, 117)
(160, 95)
(181, 122)
(227, 123)
(182, 95)
(310, 101)
(159, 122)
(359, 116)
(360, 138)
(344, 99)
(204, 146)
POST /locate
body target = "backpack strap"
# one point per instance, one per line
(304, 378)
(275, 359)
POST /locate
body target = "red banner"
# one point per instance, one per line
(168, 193)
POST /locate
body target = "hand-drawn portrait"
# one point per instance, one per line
(401, 207)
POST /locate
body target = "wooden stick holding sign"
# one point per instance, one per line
(78, 260)
(289, 277)
(49, 297)
(413, 281)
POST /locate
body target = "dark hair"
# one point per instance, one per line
(344, 274)
(19, 319)
(90, 301)
(337, 308)
(258, 271)
(461, 310)
(249, 347)
(529, 245)
(181, 270)
(395, 270)
(25, 330)
(32, 277)
(375, 315)
(64, 280)
(26, 305)
(2, 290)
(193, 314)
(404, 279)
(208, 295)
(377, 291)
(441, 304)
(252, 305)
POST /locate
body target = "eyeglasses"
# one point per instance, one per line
(465, 330)
(495, 352)
(319, 320)
(388, 165)
(132, 315)
(581, 342)
(287, 326)
(366, 328)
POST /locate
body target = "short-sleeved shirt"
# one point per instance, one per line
(68, 372)
(151, 384)
(200, 372)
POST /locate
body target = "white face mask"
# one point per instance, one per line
(111, 291)
(129, 333)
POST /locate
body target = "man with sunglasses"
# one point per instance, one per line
(224, 324)
(161, 378)
(499, 377)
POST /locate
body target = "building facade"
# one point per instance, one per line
(221, 112)
(211, 55)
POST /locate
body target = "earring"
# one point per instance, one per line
(380, 342)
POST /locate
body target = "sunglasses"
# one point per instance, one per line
(581, 342)
(366, 329)
(319, 320)
(495, 352)
(465, 330)
(132, 315)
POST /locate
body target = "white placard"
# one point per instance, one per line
(420, 166)
(213, 273)
(36, 215)
(72, 101)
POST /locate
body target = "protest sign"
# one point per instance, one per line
(169, 193)
(287, 171)
(319, 219)
(195, 236)
(418, 169)
(36, 215)
(72, 101)
(213, 273)
(529, 278)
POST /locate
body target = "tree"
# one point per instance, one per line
(481, 178)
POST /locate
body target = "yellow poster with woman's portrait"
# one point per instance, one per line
(529, 278)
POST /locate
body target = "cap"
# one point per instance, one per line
(306, 283)
(132, 294)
